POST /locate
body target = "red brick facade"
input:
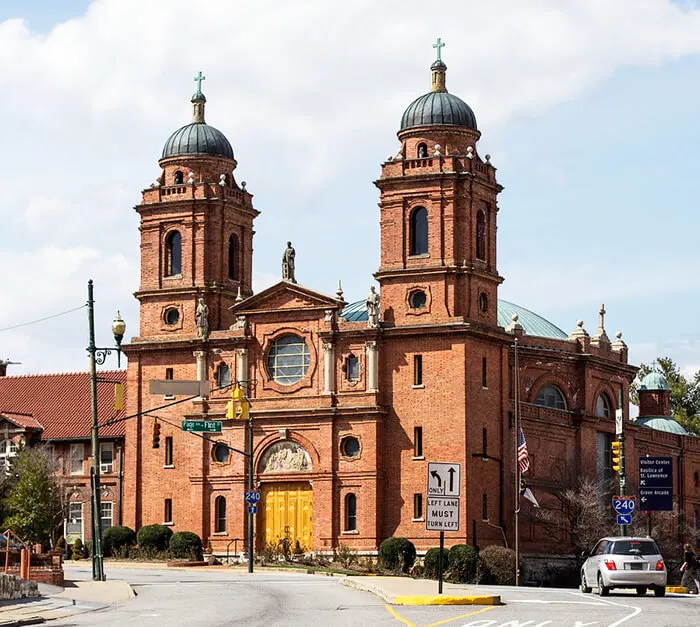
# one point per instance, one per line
(439, 315)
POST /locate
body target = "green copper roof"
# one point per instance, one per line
(662, 423)
(533, 323)
(530, 321)
(654, 381)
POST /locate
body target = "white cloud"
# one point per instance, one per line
(310, 95)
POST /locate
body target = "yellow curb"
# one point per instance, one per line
(677, 589)
(446, 600)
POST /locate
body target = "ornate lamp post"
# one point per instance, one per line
(98, 356)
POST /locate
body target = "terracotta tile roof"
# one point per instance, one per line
(60, 403)
(26, 421)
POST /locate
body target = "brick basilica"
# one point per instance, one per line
(340, 391)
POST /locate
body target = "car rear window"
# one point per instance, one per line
(630, 547)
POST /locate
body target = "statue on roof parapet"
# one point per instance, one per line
(372, 304)
(288, 264)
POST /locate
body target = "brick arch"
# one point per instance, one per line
(292, 436)
(549, 378)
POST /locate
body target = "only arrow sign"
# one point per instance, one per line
(434, 474)
(452, 472)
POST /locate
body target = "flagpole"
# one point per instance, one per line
(516, 434)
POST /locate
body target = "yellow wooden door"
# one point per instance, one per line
(287, 511)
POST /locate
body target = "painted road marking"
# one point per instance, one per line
(635, 610)
(542, 601)
(405, 621)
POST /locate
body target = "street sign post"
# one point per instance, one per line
(252, 509)
(624, 519)
(252, 496)
(443, 503)
(656, 483)
(202, 426)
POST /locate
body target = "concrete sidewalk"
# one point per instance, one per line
(407, 591)
(76, 598)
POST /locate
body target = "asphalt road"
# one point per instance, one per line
(193, 598)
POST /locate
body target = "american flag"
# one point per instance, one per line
(523, 457)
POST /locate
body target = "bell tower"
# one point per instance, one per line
(438, 202)
(196, 232)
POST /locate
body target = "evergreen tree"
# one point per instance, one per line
(34, 502)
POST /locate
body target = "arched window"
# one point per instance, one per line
(352, 368)
(419, 231)
(223, 375)
(173, 254)
(422, 151)
(220, 515)
(233, 258)
(179, 178)
(350, 512)
(288, 359)
(602, 406)
(481, 236)
(551, 396)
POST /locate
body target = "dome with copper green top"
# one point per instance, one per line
(197, 138)
(654, 381)
(532, 323)
(662, 423)
(438, 107)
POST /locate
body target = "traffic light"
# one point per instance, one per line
(237, 407)
(616, 456)
(156, 434)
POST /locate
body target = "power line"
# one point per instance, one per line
(25, 324)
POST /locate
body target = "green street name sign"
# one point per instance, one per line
(211, 426)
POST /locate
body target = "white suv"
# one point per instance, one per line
(624, 562)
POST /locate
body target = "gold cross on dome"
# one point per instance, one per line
(439, 45)
(198, 79)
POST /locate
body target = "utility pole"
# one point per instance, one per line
(251, 486)
(618, 456)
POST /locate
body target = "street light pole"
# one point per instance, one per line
(98, 356)
(251, 487)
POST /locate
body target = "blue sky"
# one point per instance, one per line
(587, 107)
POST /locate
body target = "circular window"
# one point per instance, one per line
(288, 359)
(350, 446)
(417, 299)
(483, 302)
(172, 316)
(221, 452)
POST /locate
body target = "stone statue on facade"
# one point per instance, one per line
(372, 304)
(288, 264)
(201, 317)
(285, 457)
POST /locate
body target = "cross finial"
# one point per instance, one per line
(601, 314)
(439, 45)
(198, 79)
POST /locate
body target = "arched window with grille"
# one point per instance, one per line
(419, 231)
(551, 396)
(220, 514)
(233, 266)
(481, 235)
(350, 512)
(173, 254)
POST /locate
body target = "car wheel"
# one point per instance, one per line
(659, 591)
(584, 585)
(603, 591)
(641, 591)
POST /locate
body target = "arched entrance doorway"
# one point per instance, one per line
(287, 502)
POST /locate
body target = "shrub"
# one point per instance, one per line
(397, 554)
(78, 549)
(114, 538)
(464, 562)
(154, 537)
(430, 562)
(186, 544)
(499, 563)
(345, 555)
(61, 544)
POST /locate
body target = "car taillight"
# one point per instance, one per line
(610, 565)
(660, 565)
